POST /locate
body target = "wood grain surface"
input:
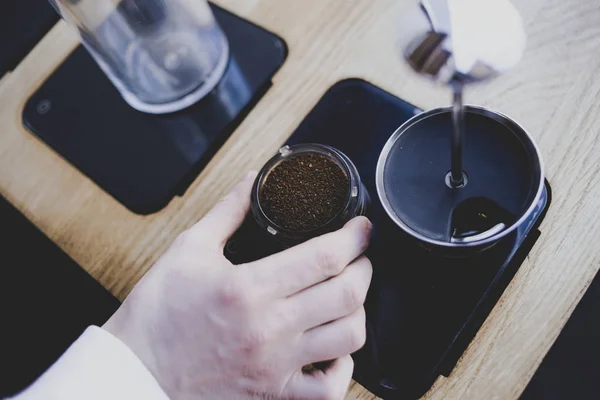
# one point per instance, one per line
(554, 93)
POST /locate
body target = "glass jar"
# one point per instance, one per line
(355, 203)
(162, 55)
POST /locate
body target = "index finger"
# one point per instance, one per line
(312, 262)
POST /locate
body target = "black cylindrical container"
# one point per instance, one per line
(503, 172)
(354, 202)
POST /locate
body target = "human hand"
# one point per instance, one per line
(208, 329)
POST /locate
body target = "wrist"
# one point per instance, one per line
(124, 326)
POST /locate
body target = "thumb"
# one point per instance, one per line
(228, 214)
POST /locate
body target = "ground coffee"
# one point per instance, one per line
(304, 192)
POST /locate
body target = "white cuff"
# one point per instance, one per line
(98, 366)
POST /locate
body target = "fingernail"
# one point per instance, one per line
(362, 220)
(369, 229)
(365, 225)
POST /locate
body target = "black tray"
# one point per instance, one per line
(422, 309)
(144, 160)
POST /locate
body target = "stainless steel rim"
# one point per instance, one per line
(469, 109)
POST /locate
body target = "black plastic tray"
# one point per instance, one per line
(145, 160)
(423, 309)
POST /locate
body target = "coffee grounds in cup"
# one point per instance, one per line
(304, 192)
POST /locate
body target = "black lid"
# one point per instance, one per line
(502, 166)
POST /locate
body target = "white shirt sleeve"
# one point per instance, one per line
(98, 366)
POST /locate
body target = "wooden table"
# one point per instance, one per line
(555, 93)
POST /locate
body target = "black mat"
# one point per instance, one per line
(571, 370)
(145, 160)
(46, 301)
(23, 23)
(423, 309)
